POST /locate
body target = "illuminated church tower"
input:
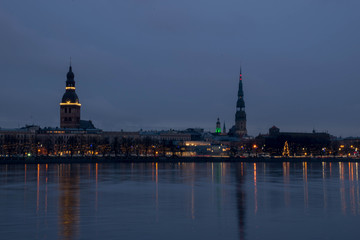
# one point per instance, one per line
(240, 116)
(70, 106)
(218, 127)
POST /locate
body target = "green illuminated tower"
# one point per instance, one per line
(218, 127)
(240, 116)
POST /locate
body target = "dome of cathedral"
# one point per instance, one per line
(70, 97)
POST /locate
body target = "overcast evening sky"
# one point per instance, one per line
(160, 64)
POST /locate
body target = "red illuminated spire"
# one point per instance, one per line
(240, 74)
(240, 116)
(240, 91)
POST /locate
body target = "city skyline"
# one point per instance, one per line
(299, 76)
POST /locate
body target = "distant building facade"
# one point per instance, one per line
(300, 143)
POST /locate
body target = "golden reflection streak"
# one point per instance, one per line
(46, 188)
(96, 186)
(69, 202)
(352, 188)
(223, 174)
(157, 186)
(324, 184)
(342, 188)
(357, 189)
(306, 189)
(38, 188)
(350, 172)
(242, 169)
(192, 191)
(255, 189)
(212, 172)
(286, 173)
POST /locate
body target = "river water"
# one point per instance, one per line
(180, 201)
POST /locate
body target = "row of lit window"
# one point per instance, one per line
(55, 131)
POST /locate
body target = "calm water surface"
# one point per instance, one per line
(180, 201)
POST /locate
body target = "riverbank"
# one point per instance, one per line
(60, 160)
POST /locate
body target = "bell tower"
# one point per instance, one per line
(218, 127)
(70, 106)
(240, 116)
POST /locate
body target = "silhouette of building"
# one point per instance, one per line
(70, 106)
(299, 143)
(240, 116)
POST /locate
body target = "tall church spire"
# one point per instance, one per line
(240, 116)
(70, 105)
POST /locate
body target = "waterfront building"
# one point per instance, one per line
(240, 116)
(170, 135)
(113, 136)
(299, 143)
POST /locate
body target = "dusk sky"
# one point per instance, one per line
(161, 64)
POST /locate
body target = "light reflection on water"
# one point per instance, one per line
(180, 201)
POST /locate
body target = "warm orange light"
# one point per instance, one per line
(255, 146)
(70, 104)
(73, 88)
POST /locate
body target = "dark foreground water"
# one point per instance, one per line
(180, 201)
